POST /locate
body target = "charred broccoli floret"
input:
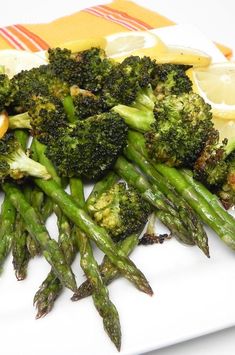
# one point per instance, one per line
(39, 81)
(86, 103)
(120, 210)
(87, 69)
(180, 130)
(46, 116)
(15, 163)
(215, 167)
(6, 91)
(171, 79)
(127, 79)
(90, 147)
(176, 131)
(227, 190)
(211, 167)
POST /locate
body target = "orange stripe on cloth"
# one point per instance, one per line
(39, 42)
(11, 39)
(134, 20)
(110, 17)
(119, 17)
(22, 39)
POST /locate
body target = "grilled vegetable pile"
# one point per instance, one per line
(146, 142)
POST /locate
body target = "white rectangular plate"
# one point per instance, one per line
(193, 295)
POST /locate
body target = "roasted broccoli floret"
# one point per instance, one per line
(227, 190)
(39, 81)
(47, 115)
(127, 79)
(171, 79)
(176, 131)
(15, 163)
(90, 147)
(215, 167)
(211, 167)
(86, 103)
(87, 69)
(120, 210)
(6, 91)
(180, 130)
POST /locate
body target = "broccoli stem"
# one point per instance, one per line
(22, 121)
(199, 204)
(140, 120)
(108, 271)
(49, 247)
(7, 222)
(167, 214)
(212, 199)
(186, 214)
(69, 108)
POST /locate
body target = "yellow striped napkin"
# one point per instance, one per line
(101, 20)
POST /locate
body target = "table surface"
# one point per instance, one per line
(213, 18)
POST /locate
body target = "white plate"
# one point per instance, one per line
(193, 295)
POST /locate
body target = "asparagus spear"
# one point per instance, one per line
(186, 214)
(51, 287)
(20, 253)
(108, 271)
(49, 247)
(7, 223)
(199, 204)
(100, 294)
(165, 211)
(212, 199)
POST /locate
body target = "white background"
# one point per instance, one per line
(213, 17)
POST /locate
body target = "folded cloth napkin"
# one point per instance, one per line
(101, 20)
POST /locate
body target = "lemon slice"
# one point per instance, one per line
(216, 84)
(14, 61)
(83, 44)
(4, 123)
(225, 127)
(141, 43)
(184, 55)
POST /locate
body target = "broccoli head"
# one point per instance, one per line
(180, 130)
(227, 190)
(88, 148)
(46, 116)
(39, 81)
(87, 68)
(121, 210)
(127, 79)
(211, 167)
(86, 103)
(171, 79)
(15, 163)
(6, 91)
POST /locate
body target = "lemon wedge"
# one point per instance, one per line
(4, 123)
(225, 127)
(14, 61)
(141, 43)
(184, 55)
(216, 84)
